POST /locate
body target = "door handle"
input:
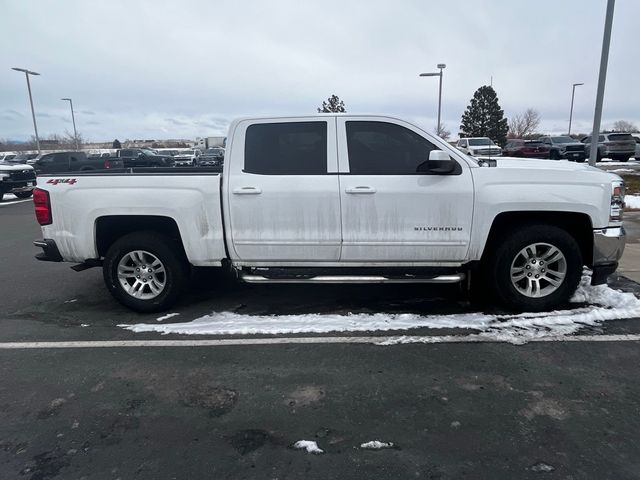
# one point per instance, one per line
(360, 189)
(246, 191)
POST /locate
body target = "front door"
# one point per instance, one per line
(283, 198)
(391, 213)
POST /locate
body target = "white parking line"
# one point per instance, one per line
(4, 204)
(382, 340)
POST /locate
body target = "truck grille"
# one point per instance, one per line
(489, 151)
(575, 148)
(20, 175)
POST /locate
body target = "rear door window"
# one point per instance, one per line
(287, 148)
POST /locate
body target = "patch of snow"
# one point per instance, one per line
(603, 303)
(84, 325)
(621, 170)
(308, 445)
(167, 316)
(376, 445)
(617, 163)
(71, 301)
(632, 201)
(542, 467)
(456, 424)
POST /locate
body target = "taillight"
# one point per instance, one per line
(107, 164)
(43, 206)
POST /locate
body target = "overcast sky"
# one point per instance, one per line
(181, 69)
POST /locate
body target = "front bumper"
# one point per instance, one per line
(17, 186)
(573, 155)
(608, 247)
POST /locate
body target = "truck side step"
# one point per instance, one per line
(452, 278)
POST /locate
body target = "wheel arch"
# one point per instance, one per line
(578, 225)
(110, 228)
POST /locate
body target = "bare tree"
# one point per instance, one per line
(70, 139)
(442, 132)
(624, 126)
(525, 124)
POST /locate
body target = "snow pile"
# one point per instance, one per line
(308, 445)
(167, 316)
(376, 445)
(632, 201)
(603, 303)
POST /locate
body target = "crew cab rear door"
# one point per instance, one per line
(391, 213)
(282, 194)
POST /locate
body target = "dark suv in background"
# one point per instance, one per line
(62, 162)
(616, 146)
(563, 147)
(525, 149)
(142, 157)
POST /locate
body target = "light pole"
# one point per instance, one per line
(33, 113)
(75, 134)
(573, 93)
(441, 66)
(602, 77)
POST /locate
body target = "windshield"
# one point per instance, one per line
(480, 141)
(562, 140)
(618, 137)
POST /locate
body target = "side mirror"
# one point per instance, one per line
(140, 154)
(439, 163)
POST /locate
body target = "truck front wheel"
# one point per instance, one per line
(536, 268)
(145, 271)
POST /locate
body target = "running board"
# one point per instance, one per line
(454, 278)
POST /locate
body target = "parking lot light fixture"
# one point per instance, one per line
(573, 93)
(441, 66)
(33, 114)
(75, 134)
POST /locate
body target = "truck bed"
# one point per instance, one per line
(190, 197)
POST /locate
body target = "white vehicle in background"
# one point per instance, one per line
(186, 158)
(7, 156)
(479, 147)
(340, 199)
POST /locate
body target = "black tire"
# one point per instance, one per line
(1, 195)
(553, 155)
(166, 250)
(24, 194)
(505, 253)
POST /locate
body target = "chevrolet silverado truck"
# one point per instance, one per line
(340, 199)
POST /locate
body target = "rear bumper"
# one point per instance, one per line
(608, 247)
(50, 252)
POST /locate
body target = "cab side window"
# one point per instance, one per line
(382, 148)
(287, 148)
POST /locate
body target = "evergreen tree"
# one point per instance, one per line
(333, 105)
(484, 117)
(116, 144)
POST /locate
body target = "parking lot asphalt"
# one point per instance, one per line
(454, 410)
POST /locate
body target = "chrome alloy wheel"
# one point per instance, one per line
(142, 274)
(538, 270)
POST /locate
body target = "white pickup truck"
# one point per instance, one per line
(339, 199)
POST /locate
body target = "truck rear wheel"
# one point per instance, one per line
(24, 194)
(537, 267)
(145, 271)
